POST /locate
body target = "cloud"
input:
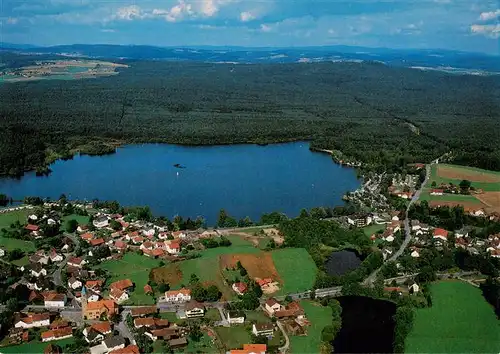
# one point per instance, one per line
(246, 16)
(176, 13)
(12, 20)
(265, 28)
(491, 15)
(108, 30)
(492, 31)
(129, 13)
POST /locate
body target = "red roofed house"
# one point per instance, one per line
(181, 295)
(77, 262)
(87, 236)
(240, 288)
(437, 192)
(157, 252)
(94, 285)
(131, 349)
(33, 320)
(173, 247)
(250, 349)
(97, 242)
(148, 289)
(57, 334)
(121, 246)
(123, 284)
(118, 295)
(440, 234)
(31, 227)
(272, 306)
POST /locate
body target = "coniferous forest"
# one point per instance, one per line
(383, 116)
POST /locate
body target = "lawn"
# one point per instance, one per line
(82, 220)
(372, 229)
(296, 268)
(34, 346)
(170, 316)
(212, 315)
(486, 186)
(459, 321)
(319, 317)
(469, 199)
(234, 337)
(12, 243)
(21, 262)
(136, 268)
(257, 316)
(204, 345)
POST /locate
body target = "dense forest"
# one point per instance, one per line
(383, 116)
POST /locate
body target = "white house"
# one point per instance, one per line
(100, 222)
(386, 253)
(437, 192)
(114, 343)
(37, 270)
(415, 254)
(182, 295)
(271, 306)
(33, 320)
(415, 225)
(55, 300)
(118, 295)
(414, 288)
(55, 257)
(389, 238)
(2, 252)
(57, 334)
(194, 309)
(174, 247)
(263, 329)
(76, 262)
(235, 317)
(74, 283)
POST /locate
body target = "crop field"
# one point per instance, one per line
(258, 265)
(319, 317)
(459, 321)
(296, 269)
(6, 220)
(136, 268)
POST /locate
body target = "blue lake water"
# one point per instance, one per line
(246, 180)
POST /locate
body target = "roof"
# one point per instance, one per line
(101, 327)
(94, 283)
(60, 323)
(53, 296)
(242, 287)
(75, 260)
(52, 349)
(437, 191)
(194, 305)
(57, 333)
(114, 341)
(263, 282)
(96, 242)
(108, 304)
(122, 284)
(131, 349)
(146, 310)
(255, 348)
(264, 326)
(174, 245)
(116, 293)
(178, 341)
(148, 289)
(441, 232)
(32, 227)
(120, 244)
(35, 317)
(272, 301)
(182, 291)
(87, 236)
(150, 322)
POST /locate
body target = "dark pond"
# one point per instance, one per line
(246, 180)
(367, 326)
(342, 262)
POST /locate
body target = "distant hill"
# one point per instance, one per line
(444, 60)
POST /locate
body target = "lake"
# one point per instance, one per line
(342, 262)
(245, 180)
(367, 326)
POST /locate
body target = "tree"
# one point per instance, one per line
(213, 294)
(465, 186)
(115, 225)
(199, 293)
(15, 254)
(433, 184)
(71, 225)
(193, 279)
(328, 334)
(195, 332)
(163, 287)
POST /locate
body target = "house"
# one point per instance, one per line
(250, 349)
(293, 309)
(94, 285)
(97, 332)
(2, 252)
(114, 343)
(88, 236)
(157, 252)
(437, 192)
(130, 349)
(76, 262)
(440, 234)
(240, 288)
(271, 306)
(97, 242)
(415, 225)
(55, 257)
(415, 253)
(194, 309)
(32, 320)
(100, 222)
(235, 317)
(94, 310)
(182, 295)
(148, 245)
(179, 234)
(386, 253)
(120, 246)
(39, 257)
(263, 329)
(82, 228)
(59, 323)
(53, 299)
(148, 289)
(37, 270)
(150, 322)
(177, 343)
(143, 311)
(173, 247)
(264, 283)
(118, 295)
(359, 220)
(57, 334)
(74, 283)
(388, 235)
(163, 333)
(122, 285)
(33, 229)
(52, 349)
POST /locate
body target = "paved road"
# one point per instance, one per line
(57, 273)
(123, 328)
(284, 348)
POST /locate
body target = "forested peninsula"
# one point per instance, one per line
(382, 116)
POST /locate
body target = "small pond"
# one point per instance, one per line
(342, 262)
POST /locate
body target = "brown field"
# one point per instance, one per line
(473, 176)
(258, 265)
(170, 275)
(491, 199)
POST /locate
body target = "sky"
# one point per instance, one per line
(467, 25)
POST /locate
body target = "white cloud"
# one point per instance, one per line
(265, 28)
(12, 20)
(108, 30)
(492, 31)
(176, 13)
(246, 16)
(491, 15)
(129, 13)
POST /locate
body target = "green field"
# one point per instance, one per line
(234, 337)
(469, 199)
(11, 243)
(296, 268)
(136, 268)
(483, 185)
(256, 316)
(170, 316)
(319, 317)
(372, 229)
(82, 219)
(204, 345)
(34, 346)
(459, 321)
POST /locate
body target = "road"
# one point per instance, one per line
(57, 273)
(284, 348)
(123, 328)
